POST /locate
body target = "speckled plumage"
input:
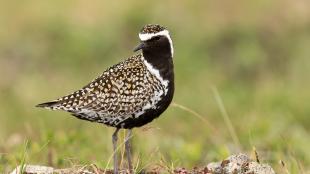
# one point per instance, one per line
(151, 28)
(123, 91)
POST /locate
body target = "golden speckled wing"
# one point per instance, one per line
(124, 90)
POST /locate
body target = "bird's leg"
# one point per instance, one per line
(114, 141)
(128, 150)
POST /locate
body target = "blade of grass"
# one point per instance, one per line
(184, 108)
(225, 116)
(111, 156)
(283, 166)
(123, 149)
(147, 163)
(137, 166)
(22, 163)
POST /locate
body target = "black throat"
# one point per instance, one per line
(160, 57)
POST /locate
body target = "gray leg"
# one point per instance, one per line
(128, 150)
(114, 141)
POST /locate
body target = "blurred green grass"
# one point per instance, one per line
(255, 52)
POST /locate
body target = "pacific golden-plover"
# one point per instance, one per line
(129, 94)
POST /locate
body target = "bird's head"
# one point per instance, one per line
(155, 37)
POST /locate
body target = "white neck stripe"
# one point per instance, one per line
(147, 36)
(156, 73)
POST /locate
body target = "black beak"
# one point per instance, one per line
(139, 47)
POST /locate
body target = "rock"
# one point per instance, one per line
(215, 167)
(239, 164)
(33, 169)
(255, 167)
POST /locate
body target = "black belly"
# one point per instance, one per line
(143, 119)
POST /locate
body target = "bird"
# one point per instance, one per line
(128, 94)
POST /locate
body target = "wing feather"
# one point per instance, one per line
(123, 90)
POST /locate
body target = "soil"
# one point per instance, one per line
(234, 164)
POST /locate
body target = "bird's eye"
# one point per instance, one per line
(156, 38)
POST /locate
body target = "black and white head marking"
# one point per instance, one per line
(151, 31)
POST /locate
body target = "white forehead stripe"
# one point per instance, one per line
(147, 36)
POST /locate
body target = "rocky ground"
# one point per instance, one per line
(234, 164)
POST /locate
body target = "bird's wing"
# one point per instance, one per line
(123, 90)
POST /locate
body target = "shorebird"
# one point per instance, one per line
(129, 94)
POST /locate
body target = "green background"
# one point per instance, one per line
(255, 54)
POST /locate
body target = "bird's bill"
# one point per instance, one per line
(139, 47)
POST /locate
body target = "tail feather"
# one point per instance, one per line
(50, 105)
